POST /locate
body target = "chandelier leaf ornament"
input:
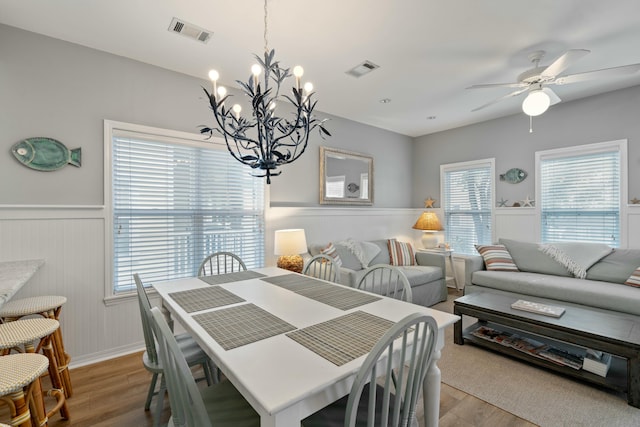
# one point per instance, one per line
(265, 141)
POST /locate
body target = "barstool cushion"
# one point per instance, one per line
(31, 305)
(20, 370)
(16, 333)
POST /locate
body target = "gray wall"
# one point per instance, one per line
(64, 91)
(600, 118)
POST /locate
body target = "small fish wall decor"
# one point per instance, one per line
(45, 154)
(513, 176)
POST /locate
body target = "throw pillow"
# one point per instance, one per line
(333, 253)
(496, 258)
(369, 252)
(401, 253)
(634, 279)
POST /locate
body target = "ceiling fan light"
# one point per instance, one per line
(536, 103)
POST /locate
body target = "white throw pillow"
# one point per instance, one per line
(369, 252)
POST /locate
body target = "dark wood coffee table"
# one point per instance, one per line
(579, 327)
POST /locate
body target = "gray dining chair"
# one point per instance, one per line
(221, 263)
(386, 404)
(189, 348)
(386, 280)
(322, 267)
(219, 405)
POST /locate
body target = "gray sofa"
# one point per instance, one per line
(542, 276)
(427, 278)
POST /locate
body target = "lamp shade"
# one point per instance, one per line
(290, 242)
(428, 221)
(536, 103)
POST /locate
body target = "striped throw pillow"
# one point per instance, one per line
(331, 251)
(496, 258)
(401, 253)
(634, 279)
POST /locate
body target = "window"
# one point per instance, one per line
(335, 186)
(580, 193)
(467, 192)
(176, 200)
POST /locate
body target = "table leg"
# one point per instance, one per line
(457, 327)
(633, 381)
(431, 392)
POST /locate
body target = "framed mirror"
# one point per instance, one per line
(346, 178)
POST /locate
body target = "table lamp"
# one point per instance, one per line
(289, 244)
(429, 223)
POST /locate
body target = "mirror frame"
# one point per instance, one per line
(325, 158)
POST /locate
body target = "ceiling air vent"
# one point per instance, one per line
(361, 69)
(189, 30)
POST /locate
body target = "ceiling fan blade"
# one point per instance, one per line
(596, 74)
(562, 63)
(509, 95)
(492, 85)
(552, 95)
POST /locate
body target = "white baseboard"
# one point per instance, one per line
(101, 356)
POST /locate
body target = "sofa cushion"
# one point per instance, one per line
(609, 296)
(349, 260)
(496, 258)
(577, 257)
(416, 274)
(401, 253)
(383, 255)
(616, 267)
(528, 257)
(634, 279)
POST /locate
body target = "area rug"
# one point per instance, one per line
(537, 395)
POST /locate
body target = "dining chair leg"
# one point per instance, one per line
(151, 392)
(160, 401)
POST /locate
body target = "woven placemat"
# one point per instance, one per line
(344, 338)
(231, 277)
(204, 298)
(337, 296)
(242, 324)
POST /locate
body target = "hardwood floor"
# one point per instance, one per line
(112, 393)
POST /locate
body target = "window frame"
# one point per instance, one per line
(160, 135)
(473, 164)
(577, 150)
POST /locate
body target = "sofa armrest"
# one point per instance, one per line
(472, 263)
(432, 260)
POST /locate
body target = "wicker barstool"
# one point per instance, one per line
(20, 336)
(20, 388)
(48, 306)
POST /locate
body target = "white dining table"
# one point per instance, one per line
(282, 380)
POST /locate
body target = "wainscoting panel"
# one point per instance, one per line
(74, 252)
(328, 224)
(633, 227)
(517, 224)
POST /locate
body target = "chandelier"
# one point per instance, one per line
(265, 141)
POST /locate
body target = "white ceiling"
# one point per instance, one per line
(428, 51)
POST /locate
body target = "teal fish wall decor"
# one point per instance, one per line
(45, 154)
(513, 176)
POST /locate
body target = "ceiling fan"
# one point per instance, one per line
(536, 80)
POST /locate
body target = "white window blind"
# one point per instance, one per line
(468, 205)
(173, 204)
(580, 197)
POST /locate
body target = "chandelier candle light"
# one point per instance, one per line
(265, 141)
